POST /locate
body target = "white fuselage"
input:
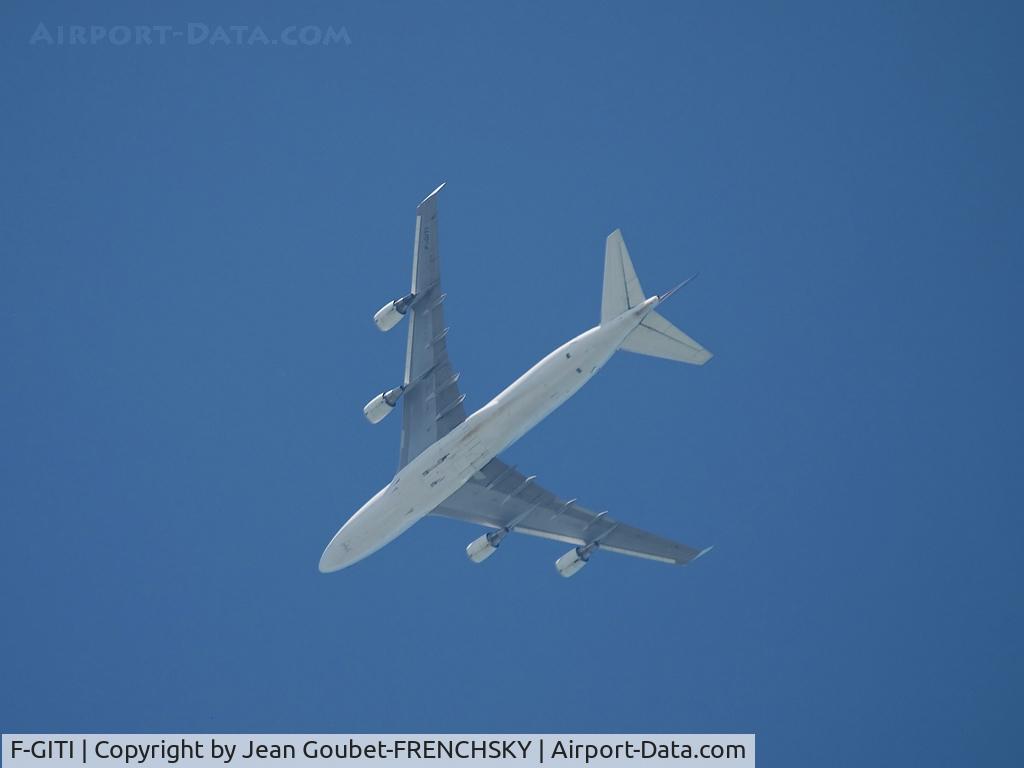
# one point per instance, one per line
(449, 463)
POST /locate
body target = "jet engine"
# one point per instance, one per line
(382, 405)
(387, 317)
(482, 548)
(573, 560)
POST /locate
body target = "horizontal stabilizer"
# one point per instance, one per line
(657, 337)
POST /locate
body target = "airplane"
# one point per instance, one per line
(448, 462)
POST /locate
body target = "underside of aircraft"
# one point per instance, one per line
(443, 452)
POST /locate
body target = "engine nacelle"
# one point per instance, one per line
(388, 316)
(382, 405)
(573, 561)
(482, 548)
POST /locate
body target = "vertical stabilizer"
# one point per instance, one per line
(621, 287)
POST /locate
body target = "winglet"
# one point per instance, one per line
(702, 553)
(428, 197)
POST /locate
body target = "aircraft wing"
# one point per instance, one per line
(499, 496)
(433, 407)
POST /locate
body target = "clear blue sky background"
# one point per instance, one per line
(194, 239)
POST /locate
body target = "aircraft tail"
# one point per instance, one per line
(655, 336)
(621, 287)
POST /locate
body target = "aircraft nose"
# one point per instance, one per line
(339, 553)
(356, 539)
(332, 559)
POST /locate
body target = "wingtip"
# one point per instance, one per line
(703, 552)
(431, 196)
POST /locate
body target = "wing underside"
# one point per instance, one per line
(432, 404)
(500, 496)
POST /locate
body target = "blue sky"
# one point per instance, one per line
(194, 239)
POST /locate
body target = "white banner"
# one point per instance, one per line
(206, 750)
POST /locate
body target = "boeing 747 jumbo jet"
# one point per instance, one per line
(449, 463)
